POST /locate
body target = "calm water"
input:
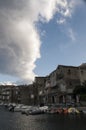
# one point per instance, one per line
(17, 121)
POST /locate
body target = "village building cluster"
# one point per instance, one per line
(57, 87)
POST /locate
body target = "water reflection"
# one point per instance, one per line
(17, 121)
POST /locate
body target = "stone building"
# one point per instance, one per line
(51, 89)
(68, 77)
(28, 94)
(39, 83)
(1, 88)
(60, 83)
(9, 94)
(23, 94)
(82, 69)
(55, 88)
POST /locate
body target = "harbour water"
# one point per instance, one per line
(17, 121)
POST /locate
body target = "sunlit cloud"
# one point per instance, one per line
(61, 21)
(19, 36)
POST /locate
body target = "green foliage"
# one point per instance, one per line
(80, 89)
(83, 97)
(84, 83)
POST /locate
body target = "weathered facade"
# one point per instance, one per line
(9, 94)
(39, 83)
(60, 83)
(67, 78)
(28, 95)
(23, 94)
(55, 88)
(51, 89)
(82, 69)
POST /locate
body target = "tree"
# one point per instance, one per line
(81, 90)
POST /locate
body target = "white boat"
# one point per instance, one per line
(26, 109)
(35, 110)
(84, 111)
(18, 108)
(44, 108)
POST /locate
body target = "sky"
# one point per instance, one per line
(38, 35)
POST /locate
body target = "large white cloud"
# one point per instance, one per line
(19, 38)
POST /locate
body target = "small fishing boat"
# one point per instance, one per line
(36, 112)
(73, 110)
(84, 111)
(65, 110)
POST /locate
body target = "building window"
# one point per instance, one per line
(81, 71)
(3, 97)
(53, 99)
(16, 92)
(8, 92)
(8, 97)
(70, 83)
(69, 72)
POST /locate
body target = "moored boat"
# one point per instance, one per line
(84, 111)
(73, 110)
